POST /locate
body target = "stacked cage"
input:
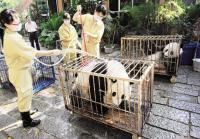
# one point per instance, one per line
(42, 76)
(163, 50)
(115, 92)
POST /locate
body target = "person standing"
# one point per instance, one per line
(31, 28)
(19, 58)
(92, 28)
(68, 36)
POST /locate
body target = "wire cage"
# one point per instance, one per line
(116, 92)
(4, 81)
(163, 50)
(42, 76)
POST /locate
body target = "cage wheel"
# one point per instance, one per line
(134, 136)
(173, 79)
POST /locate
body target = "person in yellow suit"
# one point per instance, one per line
(68, 36)
(19, 58)
(93, 28)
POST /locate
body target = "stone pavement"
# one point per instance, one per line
(175, 113)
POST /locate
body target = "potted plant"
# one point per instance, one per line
(49, 33)
(109, 34)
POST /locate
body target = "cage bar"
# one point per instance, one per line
(42, 76)
(164, 50)
(133, 106)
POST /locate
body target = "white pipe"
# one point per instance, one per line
(65, 52)
(132, 2)
(119, 5)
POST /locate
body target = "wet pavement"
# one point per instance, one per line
(175, 113)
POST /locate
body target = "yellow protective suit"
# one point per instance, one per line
(90, 25)
(69, 38)
(19, 58)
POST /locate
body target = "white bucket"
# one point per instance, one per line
(196, 64)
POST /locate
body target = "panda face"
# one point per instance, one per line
(121, 90)
(118, 89)
(171, 50)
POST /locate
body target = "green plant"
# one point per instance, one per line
(87, 7)
(111, 25)
(193, 13)
(37, 10)
(188, 20)
(8, 4)
(140, 17)
(169, 11)
(49, 33)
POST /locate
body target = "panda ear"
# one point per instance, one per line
(113, 80)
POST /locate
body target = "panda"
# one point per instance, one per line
(156, 58)
(153, 52)
(104, 90)
(172, 50)
(171, 53)
(120, 91)
(80, 86)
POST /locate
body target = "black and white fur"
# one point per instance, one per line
(171, 53)
(104, 90)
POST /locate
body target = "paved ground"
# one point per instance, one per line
(175, 114)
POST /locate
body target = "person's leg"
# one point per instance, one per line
(24, 105)
(22, 81)
(36, 41)
(31, 39)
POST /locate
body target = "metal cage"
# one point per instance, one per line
(163, 50)
(4, 81)
(104, 88)
(42, 76)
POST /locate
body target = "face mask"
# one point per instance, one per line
(15, 27)
(67, 21)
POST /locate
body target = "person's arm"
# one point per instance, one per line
(26, 28)
(98, 35)
(27, 52)
(36, 27)
(48, 52)
(23, 5)
(80, 19)
(91, 35)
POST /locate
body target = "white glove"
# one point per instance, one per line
(79, 8)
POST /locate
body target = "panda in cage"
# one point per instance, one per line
(171, 53)
(153, 52)
(103, 90)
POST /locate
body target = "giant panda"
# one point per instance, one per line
(156, 57)
(120, 91)
(171, 53)
(153, 52)
(104, 90)
(172, 50)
